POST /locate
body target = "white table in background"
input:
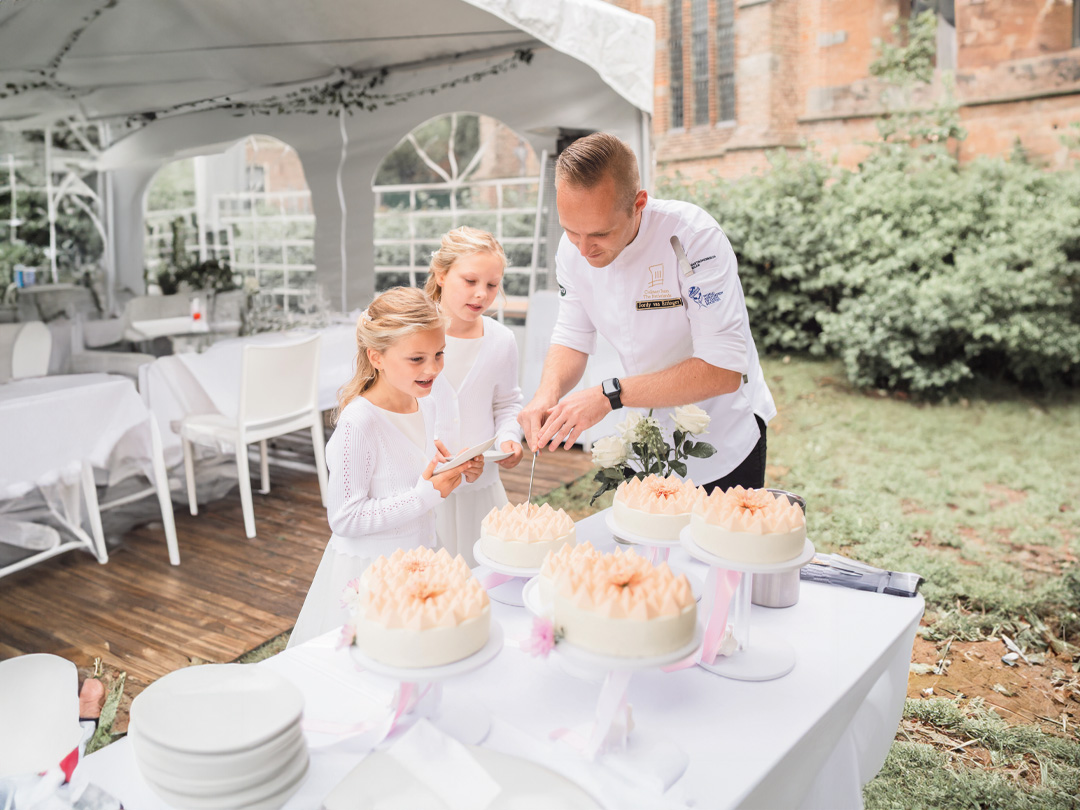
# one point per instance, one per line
(209, 382)
(56, 430)
(808, 740)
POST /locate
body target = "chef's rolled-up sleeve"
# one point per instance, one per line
(715, 305)
(574, 328)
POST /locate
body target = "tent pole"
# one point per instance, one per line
(51, 202)
(536, 223)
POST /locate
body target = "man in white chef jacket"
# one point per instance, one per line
(682, 339)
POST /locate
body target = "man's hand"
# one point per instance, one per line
(570, 418)
(532, 416)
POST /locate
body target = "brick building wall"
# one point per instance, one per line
(802, 76)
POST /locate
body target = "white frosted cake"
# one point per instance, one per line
(619, 604)
(566, 558)
(420, 608)
(749, 526)
(521, 535)
(654, 507)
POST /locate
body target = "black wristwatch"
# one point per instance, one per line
(613, 391)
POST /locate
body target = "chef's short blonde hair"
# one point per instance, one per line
(588, 161)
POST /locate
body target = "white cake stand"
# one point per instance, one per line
(465, 720)
(769, 657)
(641, 751)
(658, 548)
(509, 593)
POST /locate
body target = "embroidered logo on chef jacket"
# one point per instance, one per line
(656, 295)
(562, 290)
(703, 299)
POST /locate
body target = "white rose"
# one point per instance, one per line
(691, 419)
(627, 426)
(609, 451)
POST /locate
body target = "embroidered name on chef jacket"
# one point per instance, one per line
(656, 295)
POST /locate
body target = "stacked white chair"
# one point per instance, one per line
(220, 736)
(279, 394)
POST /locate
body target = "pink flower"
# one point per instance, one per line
(541, 640)
(348, 635)
(350, 596)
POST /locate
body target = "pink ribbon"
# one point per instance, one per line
(726, 583)
(611, 704)
(494, 579)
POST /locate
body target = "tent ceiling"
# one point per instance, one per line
(134, 56)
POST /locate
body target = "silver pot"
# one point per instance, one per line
(778, 590)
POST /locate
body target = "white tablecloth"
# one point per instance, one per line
(807, 740)
(182, 384)
(50, 425)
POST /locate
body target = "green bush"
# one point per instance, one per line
(919, 273)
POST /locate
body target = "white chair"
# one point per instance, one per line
(278, 395)
(39, 701)
(25, 349)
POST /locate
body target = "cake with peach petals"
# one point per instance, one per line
(420, 608)
(619, 604)
(749, 526)
(565, 559)
(653, 506)
(521, 535)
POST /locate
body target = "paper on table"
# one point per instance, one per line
(444, 766)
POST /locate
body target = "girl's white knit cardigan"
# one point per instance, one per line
(487, 403)
(377, 501)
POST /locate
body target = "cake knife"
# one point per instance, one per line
(531, 473)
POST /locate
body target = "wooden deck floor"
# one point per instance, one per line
(144, 617)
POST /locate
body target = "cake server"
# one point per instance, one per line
(680, 255)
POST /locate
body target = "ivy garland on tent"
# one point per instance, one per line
(345, 91)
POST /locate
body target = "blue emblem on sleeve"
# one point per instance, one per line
(703, 299)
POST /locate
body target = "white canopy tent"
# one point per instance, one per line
(176, 78)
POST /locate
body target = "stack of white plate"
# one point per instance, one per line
(220, 736)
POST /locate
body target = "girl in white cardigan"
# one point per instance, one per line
(383, 487)
(477, 396)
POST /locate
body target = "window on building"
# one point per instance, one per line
(256, 178)
(725, 59)
(675, 62)
(699, 45)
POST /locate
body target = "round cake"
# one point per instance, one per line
(420, 608)
(619, 604)
(749, 526)
(521, 535)
(654, 507)
(566, 558)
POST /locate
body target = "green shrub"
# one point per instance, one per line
(918, 273)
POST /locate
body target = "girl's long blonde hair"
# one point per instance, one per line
(393, 315)
(463, 241)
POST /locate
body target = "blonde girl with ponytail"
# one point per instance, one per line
(383, 488)
(477, 396)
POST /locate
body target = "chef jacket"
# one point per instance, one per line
(655, 317)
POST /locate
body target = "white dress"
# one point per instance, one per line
(485, 404)
(377, 502)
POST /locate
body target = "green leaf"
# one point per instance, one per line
(613, 474)
(678, 467)
(702, 450)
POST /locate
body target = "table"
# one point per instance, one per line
(808, 740)
(57, 429)
(184, 384)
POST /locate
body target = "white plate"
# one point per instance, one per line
(599, 662)
(690, 546)
(272, 793)
(424, 674)
(510, 570)
(496, 455)
(381, 781)
(213, 768)
(635, 539)
(217, 708)
(465, 455)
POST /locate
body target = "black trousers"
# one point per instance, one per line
(750, 474)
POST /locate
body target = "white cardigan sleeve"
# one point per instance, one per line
(507, 400)
(351, 510)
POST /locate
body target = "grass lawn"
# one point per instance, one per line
(982, 498)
